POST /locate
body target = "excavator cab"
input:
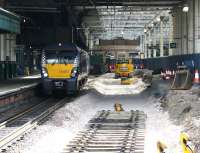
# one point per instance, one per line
(124, 68)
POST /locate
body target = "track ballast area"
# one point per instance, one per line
(108, 131)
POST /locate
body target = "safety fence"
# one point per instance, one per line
(192, 61)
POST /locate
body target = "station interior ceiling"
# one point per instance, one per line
(103, 19)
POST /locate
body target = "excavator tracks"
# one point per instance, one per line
(108, 131)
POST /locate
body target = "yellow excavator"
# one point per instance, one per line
(124, 68)
(185, 142)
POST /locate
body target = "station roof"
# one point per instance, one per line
(109, 19)
(106, 19)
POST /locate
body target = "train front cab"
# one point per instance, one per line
(64, 70)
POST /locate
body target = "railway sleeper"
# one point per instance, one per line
(111, 132)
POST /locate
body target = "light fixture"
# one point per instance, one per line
(60, 44)
(145, 30)
(24, 20)
(122, 32)
(185, 8)
(158, 19)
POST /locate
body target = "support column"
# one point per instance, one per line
(1, 50)
(149, 42)
(186, 34)
(142, 43)
(145, 45)
(87, 33)
(2, 38)
(161, 38)
(91, 42)
(171, 36)
(154, 42)
(191, 28)
(13, 45)
(7, 50)
(197, 26)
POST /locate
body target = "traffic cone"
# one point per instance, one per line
(196, 76)
(162, 74)
(173, 73)
(166, 72)
(170, 73)
(167, 75)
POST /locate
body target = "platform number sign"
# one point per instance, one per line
(172, 45)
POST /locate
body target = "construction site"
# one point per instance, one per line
(91, 76)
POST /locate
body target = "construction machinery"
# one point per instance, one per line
(125, 81)
(161, 147)
(182, 79)
(187, 146)
(124, 68)
(185, 142)
(118, 107)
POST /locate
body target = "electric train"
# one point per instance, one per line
(64, 67)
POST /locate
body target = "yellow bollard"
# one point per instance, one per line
(118, 107)
(161, 147)
(185, 143)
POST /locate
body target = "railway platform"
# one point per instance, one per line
(15, 93)
(19, 83)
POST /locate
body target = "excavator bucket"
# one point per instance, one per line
(182, 80)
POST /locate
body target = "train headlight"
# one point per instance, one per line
(74, 72)
(44, 72)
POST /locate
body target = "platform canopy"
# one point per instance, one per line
(109, 19)
(105, 19)
(9, 22)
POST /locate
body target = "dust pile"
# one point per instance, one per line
(107, 85)
(183, 107)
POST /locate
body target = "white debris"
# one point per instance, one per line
(159, 128)
(55, 134)
(107, 85)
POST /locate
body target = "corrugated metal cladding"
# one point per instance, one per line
(9, 22)
(192, 61)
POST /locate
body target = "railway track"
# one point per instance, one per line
(12, 129)
(116, 132)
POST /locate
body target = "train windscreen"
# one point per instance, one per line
(122, 61)
(60, 57)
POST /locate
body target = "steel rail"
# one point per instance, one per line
(17, 116)
(29, 120)
(108, 131)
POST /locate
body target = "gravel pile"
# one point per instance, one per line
(183, 107)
